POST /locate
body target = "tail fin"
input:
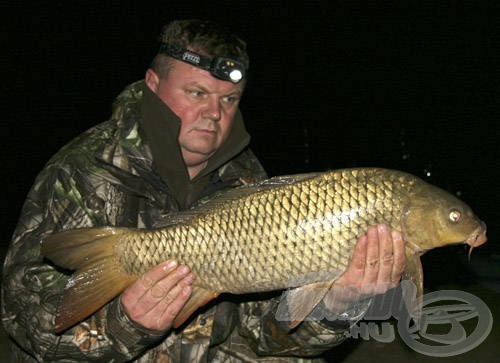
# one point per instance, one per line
(99, 276)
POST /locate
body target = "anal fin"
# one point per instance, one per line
(199, 297)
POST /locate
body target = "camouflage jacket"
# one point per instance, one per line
(128, 171)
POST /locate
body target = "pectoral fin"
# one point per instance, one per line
(413, 273)
(296, 304)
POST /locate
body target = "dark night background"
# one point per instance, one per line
(410, 85)
(406, 84)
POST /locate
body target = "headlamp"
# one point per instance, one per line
(224, 68)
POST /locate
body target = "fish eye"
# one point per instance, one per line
(455, 215)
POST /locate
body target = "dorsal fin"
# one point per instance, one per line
(257, 187)
(228, 195)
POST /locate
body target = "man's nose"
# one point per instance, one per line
(212, 110)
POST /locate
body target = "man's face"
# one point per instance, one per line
(205, 105)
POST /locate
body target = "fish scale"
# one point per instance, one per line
(289, 232)
(208, 237)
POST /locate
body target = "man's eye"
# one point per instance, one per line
(196, 93)
(231, 99)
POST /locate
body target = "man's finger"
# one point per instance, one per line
(356, 268)
(137, 290)
(372, 257)
(386, 255)
(163, 313)
(157, 273)
(399, 257)
(153, 286)
(162, 287)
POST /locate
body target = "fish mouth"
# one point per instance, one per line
(477, 238)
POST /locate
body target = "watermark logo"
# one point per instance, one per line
(441, 323)
(439, 331)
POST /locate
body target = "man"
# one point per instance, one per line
(173, 139)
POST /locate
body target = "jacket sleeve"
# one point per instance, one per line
(60, 199)
(269, 336)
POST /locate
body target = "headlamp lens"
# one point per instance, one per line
(235, 75)
(227, 69)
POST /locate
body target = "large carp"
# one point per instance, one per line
(270, 235)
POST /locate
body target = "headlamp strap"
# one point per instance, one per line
(187, 56)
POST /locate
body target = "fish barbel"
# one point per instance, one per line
(287, 232)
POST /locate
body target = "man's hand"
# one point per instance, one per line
(376, 266)
(158, 296)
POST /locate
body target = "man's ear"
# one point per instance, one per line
(152, 80)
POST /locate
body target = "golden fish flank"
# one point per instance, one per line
(265, 236)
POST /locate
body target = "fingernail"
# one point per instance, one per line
(382, 228)
(186, 290)
(170, 265)
(395, 235)
(190, 278)
(183, 270)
